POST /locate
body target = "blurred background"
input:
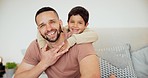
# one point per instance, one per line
(18, 28)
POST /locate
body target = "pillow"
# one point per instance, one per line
(116, 60)
(140, 62)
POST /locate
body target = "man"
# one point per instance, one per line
(79, 62)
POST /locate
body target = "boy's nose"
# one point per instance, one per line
(75, 25)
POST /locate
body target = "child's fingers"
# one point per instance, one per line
(69, 34)
(59, 47)
(61, 53)
(112, 76)
(64, 48)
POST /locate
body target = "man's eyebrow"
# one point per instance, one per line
(41, 24)
(49, 20)
(53, 20)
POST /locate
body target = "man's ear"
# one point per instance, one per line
(61, 23)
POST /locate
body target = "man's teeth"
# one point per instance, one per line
(51, 33)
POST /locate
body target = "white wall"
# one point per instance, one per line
(18, 29)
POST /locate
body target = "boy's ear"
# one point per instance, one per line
(86, 24)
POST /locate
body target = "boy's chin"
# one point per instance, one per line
(75, 32)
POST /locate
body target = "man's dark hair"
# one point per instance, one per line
(78, 10)
(44, 9)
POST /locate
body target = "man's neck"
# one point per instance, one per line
(58, 42)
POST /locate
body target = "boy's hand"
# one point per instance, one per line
(112, 76)
(65, 47)
(68, 34)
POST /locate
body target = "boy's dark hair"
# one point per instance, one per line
(44, 9)
(78, 10)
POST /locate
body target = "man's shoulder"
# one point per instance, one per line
(83, 50)
(34, 43)
(83, 45)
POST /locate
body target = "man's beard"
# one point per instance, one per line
(50, 40)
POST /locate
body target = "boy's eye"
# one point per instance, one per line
(80, 22)
(71, 21)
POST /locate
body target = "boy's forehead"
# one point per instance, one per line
(77, 17)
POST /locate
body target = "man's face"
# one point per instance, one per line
(49, 25)
(76, 24)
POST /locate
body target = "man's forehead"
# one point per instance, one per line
(49, 15)
(46, 21)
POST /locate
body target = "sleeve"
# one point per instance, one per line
(85, 50)
(31, 55)
(40, 40)
(86, 36)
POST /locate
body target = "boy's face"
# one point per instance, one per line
(76, 24)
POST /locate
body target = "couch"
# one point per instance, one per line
(123, 52)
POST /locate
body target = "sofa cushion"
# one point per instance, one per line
(116, 60)
(140, 61)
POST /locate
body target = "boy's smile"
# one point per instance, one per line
(76, 24)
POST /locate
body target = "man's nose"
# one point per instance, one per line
(48, 27)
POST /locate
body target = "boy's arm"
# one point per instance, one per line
(85, 37)
(40, 40)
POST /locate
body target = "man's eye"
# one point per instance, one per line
(41, 26)
(51, 22)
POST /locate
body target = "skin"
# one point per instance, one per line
(48, 57)
(49, 26)
(49, 29)
(76, 24)
(112, 76)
